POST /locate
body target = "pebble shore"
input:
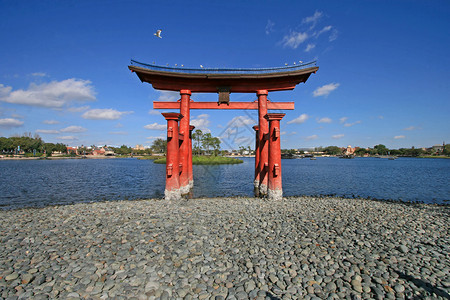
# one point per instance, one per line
(227, 248)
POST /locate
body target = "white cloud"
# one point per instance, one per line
(309, 47)
(47, 131)
(333, 35)
(343, 119)
(104, 114)
(50, 122)
(67, 137)
(168, 96)
(118, 132)
(155, 137)
(10, 122)
(118, 125)
(312, 19)
(399, 137)
(337, 136)
(269, 27)
(325, 90)
(380, 117)
(202, 122)
(294, 39)
(324, 120)
(244, 141)
(312, 137)
(39, 74)
(73, 129)
(155, 126)
(301, 119)
(78, 109)
(154, 112)
(55, 94)
(410, 128)
(325, 29)
(241, 121)
(352, 124)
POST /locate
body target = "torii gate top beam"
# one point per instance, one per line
(208, 80)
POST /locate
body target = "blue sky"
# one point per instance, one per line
(383, 68)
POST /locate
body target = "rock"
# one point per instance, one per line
(330, 287)
(399, 288)
(356, 284)
(12, 276)
(403, 249)
(249, 286)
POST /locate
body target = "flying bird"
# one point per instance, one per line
(201, 66)
(300, 61)
(158, 33)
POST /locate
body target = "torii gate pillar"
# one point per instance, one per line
(275, 189)
(263, 143)
(191, 173)
(256, 182)
(172, 191)
(185, 144)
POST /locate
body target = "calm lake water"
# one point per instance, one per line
(48, 182)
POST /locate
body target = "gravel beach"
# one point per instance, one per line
(227, 248)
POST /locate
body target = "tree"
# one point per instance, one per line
(123, 150)
(60, 147)
(332, 150)
(215, 143)
(159, 145)
(361, 152)
(197, 136)
(241, 150)
(49, 148)
(446, 150)
(381, 149)
(207, 141)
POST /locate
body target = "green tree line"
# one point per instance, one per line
(28, 144)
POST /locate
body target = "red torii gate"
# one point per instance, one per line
(179, 176)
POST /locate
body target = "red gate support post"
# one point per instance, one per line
(263, 143)
(256, 182)
(191, 173)
(184, 146)
(275, 189)
(172, 191)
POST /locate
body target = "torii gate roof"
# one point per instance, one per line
(209, 80)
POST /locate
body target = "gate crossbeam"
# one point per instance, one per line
(231, 105)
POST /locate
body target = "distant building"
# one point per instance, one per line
(438, 148)
(73, 150)
(348, 151)
(139, 147)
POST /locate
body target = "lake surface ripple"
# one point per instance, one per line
(49, 182)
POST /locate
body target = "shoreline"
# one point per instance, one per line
(445, 204)
(300, 247)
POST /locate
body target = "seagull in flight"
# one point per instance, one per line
(158, 33)
(201, 66)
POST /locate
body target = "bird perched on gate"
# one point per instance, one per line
(158, 33)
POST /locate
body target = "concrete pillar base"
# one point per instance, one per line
(263, 189)
(172, 195)
(256, 188)
(275, 195)
(191, 184)
(185, 189)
